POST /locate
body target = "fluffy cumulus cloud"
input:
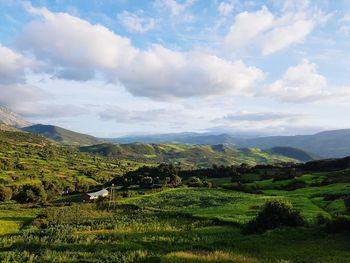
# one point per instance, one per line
(76, 49)
(12, 66)
(270, 32)
(300, 83)
(15, 92)
(73, 48)
(247, 27)
(135, 22)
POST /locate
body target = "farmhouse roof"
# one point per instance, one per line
(98, 193)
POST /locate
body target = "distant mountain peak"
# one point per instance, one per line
(10, 118)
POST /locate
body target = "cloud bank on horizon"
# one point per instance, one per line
(111, 68)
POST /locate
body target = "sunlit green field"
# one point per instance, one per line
(87, 233)
(174, 225)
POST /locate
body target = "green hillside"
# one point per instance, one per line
(188, 155)
(294, 153)
(30, 159)
(61, 135)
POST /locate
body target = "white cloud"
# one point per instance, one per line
(344, 25)
(272, 33)
(225, 8)
(76, 49)
(12, 66)
(156, 115)
(300, 83)
(21, 97)
(175, 7)
(247, 27)
(136, 23)
(74, 46)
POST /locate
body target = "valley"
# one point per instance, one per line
(170, 203)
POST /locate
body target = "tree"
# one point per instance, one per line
(5, 193)
(32, 194)
(347, 203)
(146, 181)
(195, 182)
(175, 180)
(274, 214)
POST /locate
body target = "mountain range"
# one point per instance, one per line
(327, 144)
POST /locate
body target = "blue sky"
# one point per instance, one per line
(111, 68)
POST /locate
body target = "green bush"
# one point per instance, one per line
(274, 214)
(295, 184)
(251, 189)
(340, 224)
(5, 193)
(347, 203)
(32, 194)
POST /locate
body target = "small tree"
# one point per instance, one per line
(347, 203)
(5, 193)
(32, 194)
(146, 181)
(274, 214)
(195, 182)
(175, 180)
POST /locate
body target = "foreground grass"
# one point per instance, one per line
(14, 217)
(85, 233)
(175, 225)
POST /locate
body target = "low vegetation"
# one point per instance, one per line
(277, 212)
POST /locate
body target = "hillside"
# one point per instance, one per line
(4, 127)
(30, 159)
(294, 153)
(11, 118)
(327, 144)
(189, 155)
(62, 135)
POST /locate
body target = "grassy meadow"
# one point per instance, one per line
(174, 225)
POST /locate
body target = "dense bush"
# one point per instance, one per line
(295, 184)
(252, 189)
(340, 224)
(5, 193)
(347, 203)
(198, 182)
(274, 214)
(32, 194)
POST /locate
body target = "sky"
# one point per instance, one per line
(112, 68)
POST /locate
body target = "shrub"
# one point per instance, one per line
(146, 182)
(347, 203)
(274, 214)
(251, 189)
(295, 184)
(175, 180)
(5, 193)
(340, 224)
(195, 182)
(32, 194)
